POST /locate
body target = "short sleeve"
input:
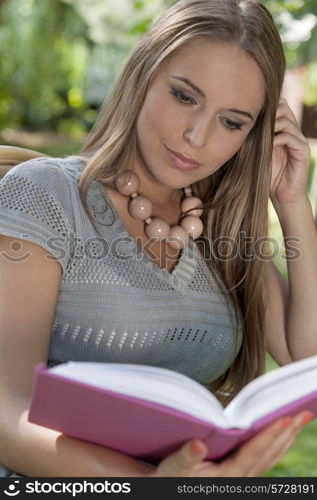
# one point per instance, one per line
(36, 205)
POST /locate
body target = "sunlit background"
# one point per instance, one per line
(59, 59)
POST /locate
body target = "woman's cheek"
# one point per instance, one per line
(157, 116)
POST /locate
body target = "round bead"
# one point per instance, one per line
(177, 238)
(127, 183)
(158, 229)
(193, 226)
(192, 202)
(140, 207)
(188, 191)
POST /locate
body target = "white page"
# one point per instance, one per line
(151, 383)
(273, 390)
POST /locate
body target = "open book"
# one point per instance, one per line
(147, 412)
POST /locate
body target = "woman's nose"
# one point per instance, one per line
(198, 134)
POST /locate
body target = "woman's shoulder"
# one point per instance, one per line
(48, 171)
(41, 191)
(38, 202)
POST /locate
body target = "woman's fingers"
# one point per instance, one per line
(181, 462)
(293, 141)
(284, 110)
(280, 455)
(253, 458)
(273, 455)
(284, 124)
(241, 463)
(300, 421)
(191, 452)
(264, 450)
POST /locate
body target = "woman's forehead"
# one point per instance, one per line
(219, 69)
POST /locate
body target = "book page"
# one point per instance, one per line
(272, 391)
(151, 383)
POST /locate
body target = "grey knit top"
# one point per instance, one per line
(115, 304)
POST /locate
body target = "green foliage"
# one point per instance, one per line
(299, 50)
(41, 60)
(59, 58)
(311, 84)
(300, 460)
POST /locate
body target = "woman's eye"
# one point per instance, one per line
(181, 97)
(185, 99)
(229, 124)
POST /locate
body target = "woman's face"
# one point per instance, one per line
(201, 103)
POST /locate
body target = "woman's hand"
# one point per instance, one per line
(252, 459)
(290, 159)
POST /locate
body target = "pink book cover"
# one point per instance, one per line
(144, 430)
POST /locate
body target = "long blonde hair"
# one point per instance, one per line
(236, 195)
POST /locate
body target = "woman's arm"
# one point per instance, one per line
(291, 319)
(32, 450)
(301, 320)
(291, 322)
(29, 287)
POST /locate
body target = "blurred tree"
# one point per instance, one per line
(59, 57)
(297, 23)
(42, 57)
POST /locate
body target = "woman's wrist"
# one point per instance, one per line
(284, 210)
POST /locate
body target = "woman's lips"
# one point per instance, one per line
(181, 162)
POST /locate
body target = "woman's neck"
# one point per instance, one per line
(161, 196)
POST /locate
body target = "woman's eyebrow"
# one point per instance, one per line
(200, 92)
(244, 113)
(190, 83)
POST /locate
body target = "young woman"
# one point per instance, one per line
(147, 247)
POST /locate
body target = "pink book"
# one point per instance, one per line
(148, 412)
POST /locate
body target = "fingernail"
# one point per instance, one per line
(303, 418)
(196, 448)
(286, 422)
(307, 418)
